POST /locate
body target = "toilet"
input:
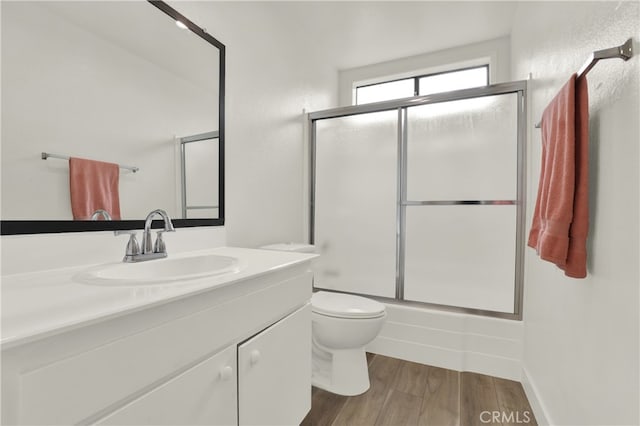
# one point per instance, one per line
(342, 324)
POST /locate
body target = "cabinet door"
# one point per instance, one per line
(204, 394)
(274, 373)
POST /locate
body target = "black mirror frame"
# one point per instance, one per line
(20, 227)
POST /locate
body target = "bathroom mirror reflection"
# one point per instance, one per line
(115, 82)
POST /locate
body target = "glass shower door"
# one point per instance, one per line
(461, 208)
(356, 174)
(421, 199)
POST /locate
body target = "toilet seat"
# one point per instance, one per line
(341, 305)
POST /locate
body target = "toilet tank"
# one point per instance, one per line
(297, 247)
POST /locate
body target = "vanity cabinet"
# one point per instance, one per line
(274, 384)
(269, 385)
(232, 354)
(203, 395)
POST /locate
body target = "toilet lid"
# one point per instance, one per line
(345, 305)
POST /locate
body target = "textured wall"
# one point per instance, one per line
(581, 336)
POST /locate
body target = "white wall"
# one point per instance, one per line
(271, 78)
(581, 336)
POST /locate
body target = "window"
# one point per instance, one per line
(421, 85)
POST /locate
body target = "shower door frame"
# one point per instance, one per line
(402, 105)
(201, 137)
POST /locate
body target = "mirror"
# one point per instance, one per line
(116, 82)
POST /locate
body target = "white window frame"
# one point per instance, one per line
(417, 77)
(495, 53)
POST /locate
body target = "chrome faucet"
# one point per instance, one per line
(159, 247)
(135, 253)
(105, 214)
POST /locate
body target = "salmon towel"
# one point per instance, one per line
(561, 215)
(93, 186)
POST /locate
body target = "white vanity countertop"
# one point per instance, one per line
(38, 304)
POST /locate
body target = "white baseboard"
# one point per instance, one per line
(536, 403)
(411, 351)
(455, 341)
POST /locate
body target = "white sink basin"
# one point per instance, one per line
(160, 271)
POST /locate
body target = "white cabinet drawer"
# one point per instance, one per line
(274, 373)
(203, 395)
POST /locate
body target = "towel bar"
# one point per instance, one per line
(46, 155)
(624, 52)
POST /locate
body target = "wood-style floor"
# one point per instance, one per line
(407, 393)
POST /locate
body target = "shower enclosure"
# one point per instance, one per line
(421, 200)
(199, 156)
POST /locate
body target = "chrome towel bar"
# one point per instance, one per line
(46, 155)
(624, 52)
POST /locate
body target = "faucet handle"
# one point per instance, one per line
(133, 248)
(159, 246)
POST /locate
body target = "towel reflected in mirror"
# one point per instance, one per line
(94, 187)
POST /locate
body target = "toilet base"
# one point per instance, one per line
(341, 371)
